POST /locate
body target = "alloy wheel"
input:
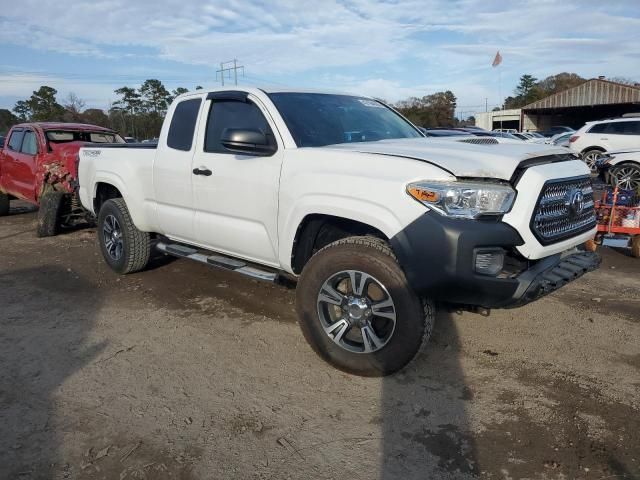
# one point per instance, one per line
(356, 311)
(626, 177)
(591, 159)
(112, 235)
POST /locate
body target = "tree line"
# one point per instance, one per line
(137, 112)
(435, 110)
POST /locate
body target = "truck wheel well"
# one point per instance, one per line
(104, 192)
(317, 231)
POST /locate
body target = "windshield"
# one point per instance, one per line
(63, 136)
(318, 119)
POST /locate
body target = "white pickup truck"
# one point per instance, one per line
(343, 194)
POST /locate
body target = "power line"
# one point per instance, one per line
(229, 69)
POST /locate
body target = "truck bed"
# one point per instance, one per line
(149, 146)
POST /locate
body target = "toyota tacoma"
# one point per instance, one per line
(374, 221)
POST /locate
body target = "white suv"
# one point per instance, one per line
(595, 138)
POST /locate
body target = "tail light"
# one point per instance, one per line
(574, 138)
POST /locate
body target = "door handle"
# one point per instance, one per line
(202, 171)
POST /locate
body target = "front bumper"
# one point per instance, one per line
(437, 254)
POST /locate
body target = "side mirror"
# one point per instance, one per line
(247, 141)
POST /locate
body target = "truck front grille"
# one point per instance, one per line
(565, 209)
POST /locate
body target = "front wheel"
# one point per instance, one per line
(49, 213)
(125, 248)
(357, 310)
(591, 157)
(625, 176)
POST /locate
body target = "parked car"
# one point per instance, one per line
(445, 132)
(130, 140)
(624, 169)
(39, 165)
(524, 137)
(505, 130)
(472, 129)
(556, 130)
(342, 194)
(536, 135)
(476, 131)
(509, 136)
(560, 139)
(596, 138)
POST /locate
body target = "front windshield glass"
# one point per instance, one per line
(63, 136)
(319, 119)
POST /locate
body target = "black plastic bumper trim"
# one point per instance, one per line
(437, 254)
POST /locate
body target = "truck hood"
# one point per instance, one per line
(462, 159)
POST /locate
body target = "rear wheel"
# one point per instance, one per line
(4, 204)
(125, 248)
(626, 176)
(590, 157)
(357, 310)
(49, 213)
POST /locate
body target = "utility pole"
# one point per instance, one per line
(486, 104)
(227, 69)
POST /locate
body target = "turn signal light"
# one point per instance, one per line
(423, 195)
(574, 138)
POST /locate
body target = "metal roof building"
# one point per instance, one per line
(592, 100)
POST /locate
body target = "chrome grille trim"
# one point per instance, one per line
(553, 219)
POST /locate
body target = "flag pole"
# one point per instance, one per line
(500, 95)
(496, 64)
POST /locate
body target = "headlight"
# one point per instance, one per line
(463, 199)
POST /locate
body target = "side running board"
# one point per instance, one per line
(217, 260)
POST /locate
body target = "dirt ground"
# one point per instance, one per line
(186, 372)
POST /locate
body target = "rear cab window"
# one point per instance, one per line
(183, 125)
(64, 136)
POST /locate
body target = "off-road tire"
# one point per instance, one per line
(415, 316)
(136, 244)
(4, 204)
(49, 213)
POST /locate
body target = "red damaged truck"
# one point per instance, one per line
(39, 164)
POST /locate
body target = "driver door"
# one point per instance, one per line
(236, 195)
(21, 167)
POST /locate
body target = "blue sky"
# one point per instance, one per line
(392, 49)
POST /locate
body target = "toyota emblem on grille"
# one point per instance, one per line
(575, 202)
